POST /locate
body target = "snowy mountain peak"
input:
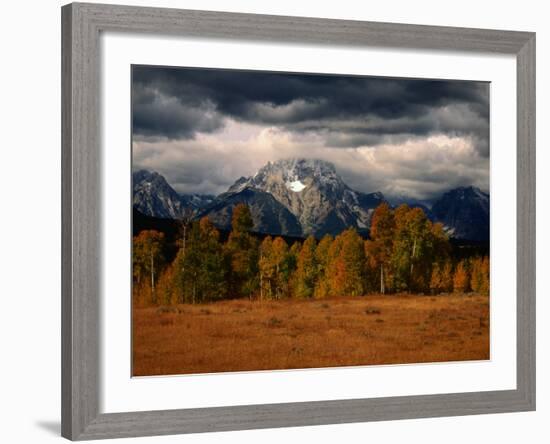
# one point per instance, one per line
(294, 173)
(313, 192)
(295, 169)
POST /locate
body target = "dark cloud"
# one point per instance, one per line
(358, 109)
(155, 114)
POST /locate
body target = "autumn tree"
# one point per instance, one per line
(435, 280)
(266, 269)
(332, 275)
(321, 253)
(200, 270)
(322, 260)
(292, 258)
(380, 246)
(283, 269)
(480, 275)
(345, 271)
(442, 277)
(188, 265)
(307, 270)
(403, 247)
(211, 279)
(242, 249)
(461, 279)
(173, 280)
(414, 249)
(147, 259)
(475, 274)
(276, 266)
(408, 235)
(372, 268)
(166, 288)
(437, 249)
(447, 277)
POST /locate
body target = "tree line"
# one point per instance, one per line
(405, 252)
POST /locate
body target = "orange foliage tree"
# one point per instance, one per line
(442, 277)
(379, 247)
(346, 259)
(147, 262)
(276, 265)
(480, 275)
(461, 279)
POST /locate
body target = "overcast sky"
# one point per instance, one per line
(203, 129)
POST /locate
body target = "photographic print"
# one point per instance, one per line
(292, 220)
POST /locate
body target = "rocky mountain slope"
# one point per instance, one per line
(464, 212)
(310, 190)
(269, 215)
(153, 196)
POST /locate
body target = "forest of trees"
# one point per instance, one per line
(405, 252)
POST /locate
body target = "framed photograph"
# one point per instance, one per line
(278, 221)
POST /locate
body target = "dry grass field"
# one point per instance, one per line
(240, 335)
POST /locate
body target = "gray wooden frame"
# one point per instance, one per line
(81, 168)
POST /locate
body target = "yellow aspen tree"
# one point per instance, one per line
(148, 260)
(447, 277)
(307, 270)
(322, 261)
(476, 275)
(461, 279)
(382, 236)
(282, 275)
(436, 281)
(266, 269)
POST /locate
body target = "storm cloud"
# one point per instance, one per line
(204, 128)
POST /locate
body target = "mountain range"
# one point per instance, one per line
(153, 196)
(301, 197)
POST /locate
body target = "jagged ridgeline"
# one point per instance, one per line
(153, 196)
(297, 197)
(302, 197)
